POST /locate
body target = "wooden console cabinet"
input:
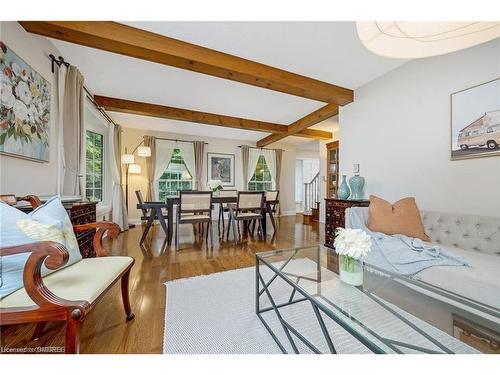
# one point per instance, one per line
(83, 213)
(335, 215)
(335, 218)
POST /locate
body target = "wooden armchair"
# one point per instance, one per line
(51, 298)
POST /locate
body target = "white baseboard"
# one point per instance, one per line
(288, 213)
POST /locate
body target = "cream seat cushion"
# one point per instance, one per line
(248, 214)
(84, 280)
(194, 217)
(479, 282)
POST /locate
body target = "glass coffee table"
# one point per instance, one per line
(306, 308)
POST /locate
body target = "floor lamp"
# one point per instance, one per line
(132, 168)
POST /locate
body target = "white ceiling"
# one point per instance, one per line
(329, 51)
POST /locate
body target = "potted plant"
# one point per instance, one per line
(215, 185)
(352, 245)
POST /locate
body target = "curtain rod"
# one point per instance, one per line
(61, 61)
(263, 148)
(176, 140)
(101, 110)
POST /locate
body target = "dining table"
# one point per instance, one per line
(175, 200)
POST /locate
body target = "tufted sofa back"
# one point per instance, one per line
(468, 232)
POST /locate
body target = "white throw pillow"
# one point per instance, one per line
(49, 222)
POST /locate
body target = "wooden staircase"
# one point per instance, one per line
(311, 200)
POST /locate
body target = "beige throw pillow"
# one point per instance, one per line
(401, 217)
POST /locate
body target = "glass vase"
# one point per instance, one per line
(351, 270)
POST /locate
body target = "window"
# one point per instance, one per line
(176, 177)
(261, 179)
(94, 166)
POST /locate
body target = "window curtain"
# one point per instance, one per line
(150, 167)
(279, 156)
(253, 158)
(74, 133)
(59, 94)
(187, 152)
(244, 161)
(119, 211)
(199, 151)
(163, 154)
(270, 156)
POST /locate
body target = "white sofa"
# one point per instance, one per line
(474, 238)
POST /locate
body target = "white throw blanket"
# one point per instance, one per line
(398, 253)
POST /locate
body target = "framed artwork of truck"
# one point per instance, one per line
(475, 121)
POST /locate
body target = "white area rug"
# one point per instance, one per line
(215, 314)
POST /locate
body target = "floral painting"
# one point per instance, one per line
(24, 108)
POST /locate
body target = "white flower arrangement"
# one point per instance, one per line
(353, 243)
(215, 185)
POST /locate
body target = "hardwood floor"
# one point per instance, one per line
(105, 329)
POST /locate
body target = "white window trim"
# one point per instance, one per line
(160, 180)
(273, 183)
(101, 128)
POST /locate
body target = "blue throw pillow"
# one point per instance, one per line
(49, 222)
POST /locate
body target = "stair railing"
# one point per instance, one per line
(311, 193)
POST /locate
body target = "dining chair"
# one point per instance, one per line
(151, 212)
(271, 207)
(195, 207)
(249, 206)
(224, 207)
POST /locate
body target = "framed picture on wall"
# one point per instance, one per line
(221, 167)
(475, 121)
(24, 109)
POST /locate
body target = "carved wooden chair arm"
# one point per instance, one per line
(101, 226)
(32, 199)
(53, 255)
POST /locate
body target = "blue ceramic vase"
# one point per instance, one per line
(344, 191)
(357, 184)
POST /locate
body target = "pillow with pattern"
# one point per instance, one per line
(49, 222)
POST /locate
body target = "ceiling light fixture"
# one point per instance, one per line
(409, 40)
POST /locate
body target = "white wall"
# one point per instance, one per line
(398, 130)
(20, 176)
(132, 137)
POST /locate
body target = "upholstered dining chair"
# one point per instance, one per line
(249, 206)
(224, 207)
(271, 207)
(195, 207)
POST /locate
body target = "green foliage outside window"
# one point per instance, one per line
(261, 179)
(176, 177)
(94, 166)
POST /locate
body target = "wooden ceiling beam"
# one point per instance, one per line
(129, 41)
(171, 113)
(302, 124)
